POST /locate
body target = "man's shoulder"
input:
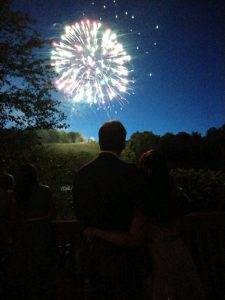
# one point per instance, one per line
(86, 168)
(100, 164)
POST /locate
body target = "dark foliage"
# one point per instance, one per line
(17, 147)
(26, 87)
(183, 150)
(205, 188)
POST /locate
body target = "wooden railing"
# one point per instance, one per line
(68, 237)
(203, 233)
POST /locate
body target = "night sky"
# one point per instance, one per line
(177, 51)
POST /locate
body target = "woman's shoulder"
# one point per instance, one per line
(43, 189)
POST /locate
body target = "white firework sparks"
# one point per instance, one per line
(91, 64)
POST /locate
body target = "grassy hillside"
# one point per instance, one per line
(65, 159)
(58, 163)
(72, 149)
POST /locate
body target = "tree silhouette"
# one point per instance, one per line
(26, 87)
(183, 150)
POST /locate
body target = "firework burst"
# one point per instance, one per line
(91, 64)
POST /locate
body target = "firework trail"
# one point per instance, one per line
(91, 64)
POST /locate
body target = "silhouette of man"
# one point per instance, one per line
(106, 192)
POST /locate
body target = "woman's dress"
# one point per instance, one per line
(174, 274)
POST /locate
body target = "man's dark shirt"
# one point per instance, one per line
(106, 193)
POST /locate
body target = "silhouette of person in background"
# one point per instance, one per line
(6, 204)
(107, 193)
(33, 199)
(175, 276)
(32, 266)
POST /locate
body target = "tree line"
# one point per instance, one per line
(59, 136)
(27, 93)
(183, 150)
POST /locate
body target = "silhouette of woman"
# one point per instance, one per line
(6, 204)
(32, 266)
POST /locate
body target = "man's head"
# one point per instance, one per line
(112, 136)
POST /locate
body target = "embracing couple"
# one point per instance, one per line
(130, 215)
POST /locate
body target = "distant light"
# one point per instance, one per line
(131, 30)
(157, 27)
(155, 44)
(104, 6)
(150, 74)
(139, 33)
(93, 3)
(66, 188)
(137, 48)
(116, 16)
(126, 13)
(132, 17)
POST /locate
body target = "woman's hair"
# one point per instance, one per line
(153, 163)
(26, 179)
(169, 204)
(155, 166)
(6, 181)
(27, 173)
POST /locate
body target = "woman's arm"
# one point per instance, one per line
(133, 238)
